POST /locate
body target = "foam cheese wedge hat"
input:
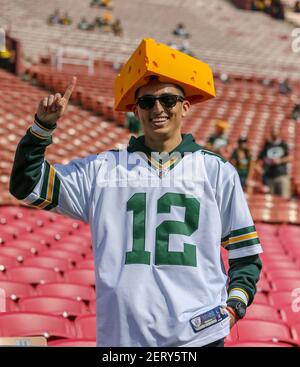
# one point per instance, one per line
(170, 66)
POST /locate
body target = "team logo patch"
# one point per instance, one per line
(208, 319)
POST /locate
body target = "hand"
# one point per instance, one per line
(51, 108)
(233, 320)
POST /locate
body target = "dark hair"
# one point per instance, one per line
(154, 77)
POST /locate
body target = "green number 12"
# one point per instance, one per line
(138, 255)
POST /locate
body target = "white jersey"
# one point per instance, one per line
(157, 235)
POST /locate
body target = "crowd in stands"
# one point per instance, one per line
(271, 164)
(105, 22)
(102, 3)
(182, 36)
(274, 8)
(56, 18)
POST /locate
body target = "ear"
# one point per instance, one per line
(185, 108)
(135, 111)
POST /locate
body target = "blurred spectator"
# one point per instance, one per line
(285, 87)
(173, 45)
(6, 59)
(224, 77)
(259, 5)
(277, 9)
(116, 65)
(84, 25)
(54, 18)
(180, 31)
(241, 159)
(117, 28)
(218, 142)
(98, 23)
(107, 18)
(95, 3)
(275, 157)
(65, 19)
(297, 7)
(267, 82)
(102, 3)
(186, 48)
(296, 112)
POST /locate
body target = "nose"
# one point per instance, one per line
(157, 107)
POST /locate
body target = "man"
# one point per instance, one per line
(275, 157)
(218, 141)
(158, 213)
(241, 159)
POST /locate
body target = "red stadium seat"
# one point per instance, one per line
(86, 264)
(273, 275)
(72, 257)
(73, 343)
(71, 247)
(35, 238)
(280, 264)
(286, 284)
(32, 275)
(48, 262)
(16, 290)
(262, 312)
(80, 276)
(86, 326)
(280, 299)
(7, 261)
(75, 291)
(32, 246)
(261, 298)
(63, 306)
(17, 253)
(256, 330)
(30, 324)
(296, 332)
(263, 286)
(290, 314)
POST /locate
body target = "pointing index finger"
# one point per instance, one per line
(70, 89)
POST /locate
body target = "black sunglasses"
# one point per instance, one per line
(167, 100)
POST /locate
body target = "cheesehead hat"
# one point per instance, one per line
(170, 66)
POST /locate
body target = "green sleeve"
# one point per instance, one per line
(27, 165)
(244, 273)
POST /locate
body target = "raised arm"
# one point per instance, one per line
(29, 157)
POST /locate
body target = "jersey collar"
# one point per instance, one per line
(187, 144)
(162, 165)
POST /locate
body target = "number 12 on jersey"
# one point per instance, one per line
(137, 204)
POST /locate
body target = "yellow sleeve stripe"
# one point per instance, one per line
(241, 238)
(40, 126)
(48, 199)
(38, 135)
(240, 294)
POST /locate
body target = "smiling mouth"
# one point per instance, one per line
(159, 121)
